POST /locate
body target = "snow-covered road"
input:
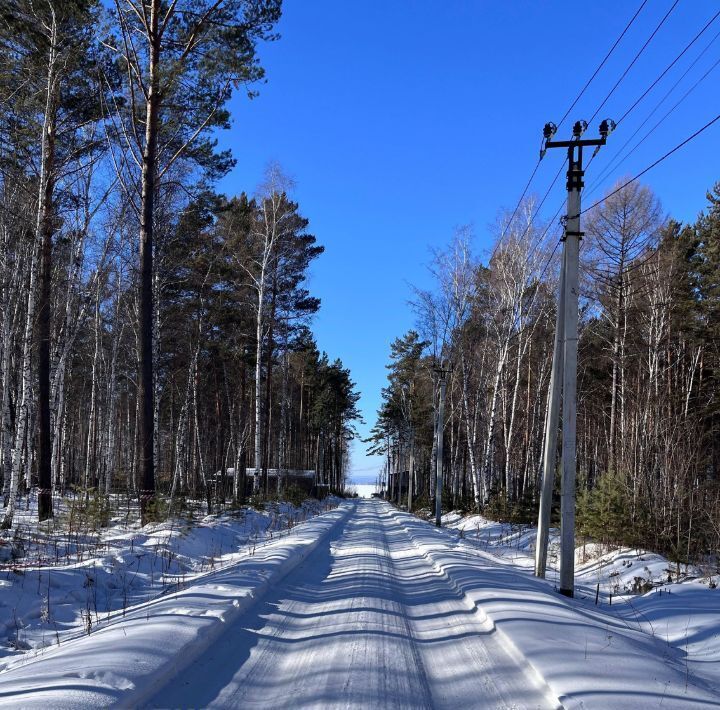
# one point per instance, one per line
(365, 621)
(366, 606)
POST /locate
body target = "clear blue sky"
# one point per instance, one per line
(400, 120)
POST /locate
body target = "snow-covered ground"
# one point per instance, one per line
(367, 606)
(676, 607)
(58, 583)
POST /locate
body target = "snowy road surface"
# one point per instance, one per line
(365, 621)
(368, 607)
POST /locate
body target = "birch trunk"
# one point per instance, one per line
(23, 412)
(486, 472)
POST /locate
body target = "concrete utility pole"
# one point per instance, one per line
(440, 430)
(568, 305)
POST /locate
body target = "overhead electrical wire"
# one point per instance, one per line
(537, 210)
(550, 223)
(645, 93)
(550, 258)
(539, 280)
(570, 108)
(645, 260)
(519, 202)
(536, 245)
(668, 68)
(638, 264)
(632, 63)
(599, 108)
(608, 167)
(602, 63)
(617, 161)
(654, 164)
(635, 265)
(545, 196)
(573, 104)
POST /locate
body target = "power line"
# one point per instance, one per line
(611, 165)
(652, 253)
(669, 67)
(570, 108)
(632, 257)
(610, 279)
(567, 112)
(545, 196)
(544, 271)
(635, 264)
(651, 166)
(550, 258)
(607, 168)
(582, 91)
(632, 63)
(564, 367)
(602, 63)
(548, 227)
(539, 281)
(627, 112)
(535, 213)
(519, 202)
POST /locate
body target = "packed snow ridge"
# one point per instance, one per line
(367, 606)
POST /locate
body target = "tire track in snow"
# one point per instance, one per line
(365, 620)
(333, 634)
(467, 662)
(417, 656)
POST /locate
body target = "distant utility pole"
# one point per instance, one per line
(440, 430)
(565, 360)
(411, 471)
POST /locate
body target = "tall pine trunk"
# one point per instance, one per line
(146, 423)
(45, 229)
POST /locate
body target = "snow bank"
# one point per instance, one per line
(135, 652)
(589, 656)
(65, 584)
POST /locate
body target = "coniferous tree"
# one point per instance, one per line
(182, 60)
(54, 47)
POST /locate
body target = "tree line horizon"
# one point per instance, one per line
(648, 409)
(154, 332)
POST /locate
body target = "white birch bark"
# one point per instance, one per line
(23, 412)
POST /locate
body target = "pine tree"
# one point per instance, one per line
(707, 231)
(54, 46)
(182, 60)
